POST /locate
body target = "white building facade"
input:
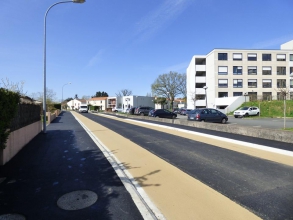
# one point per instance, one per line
(224, 76)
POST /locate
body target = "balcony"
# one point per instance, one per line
(200, 79)
(200, 68)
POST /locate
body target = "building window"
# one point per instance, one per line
(252, 70)
(266, 57)
(291, 57)
(252, 83)
(237, 56)
(281, 83)
(222, 70)
(222, 94)
(252, 57)
(237, 83)
(266, 70)
(281, 70)
(222, 56)
(237, 70)
(291, 70)
(281, 57)
(291, 83)
(237, 93)
(267, 83)
(280, 96)
(200, 97)
(267, 96)
(223, 83)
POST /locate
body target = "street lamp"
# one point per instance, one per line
(62, 92)
(45, 22)
(168, 104)
(205, 88)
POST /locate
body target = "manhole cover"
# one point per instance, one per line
(12, 217)
(77, 200)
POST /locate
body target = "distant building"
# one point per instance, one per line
(75, 103)
(225, 76)
(125, 102)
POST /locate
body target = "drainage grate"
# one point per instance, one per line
(77, 200)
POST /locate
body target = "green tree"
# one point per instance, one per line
(101, 94)
(169, 85)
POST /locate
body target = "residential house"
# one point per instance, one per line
(75, 103)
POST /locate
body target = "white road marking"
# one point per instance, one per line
(243, 143)
(147, 209)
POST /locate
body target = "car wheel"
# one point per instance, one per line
(142, 114)
(246, 115)
(157, 116)
(257, 114)
(173, 117)
(202, 121)
(235, 116)
(224, 120)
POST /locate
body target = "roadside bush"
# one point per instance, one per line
(8, 108)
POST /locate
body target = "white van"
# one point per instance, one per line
(83, 108)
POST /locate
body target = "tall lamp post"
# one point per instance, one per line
(62, 93)
(205, 89)
(45, 22)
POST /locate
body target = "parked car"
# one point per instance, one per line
(207, 115)
(246, 111)
(162, 113)
(176, 110)
(131, 111)
(185, 111)
(142, 110)
(126, 110)
(117, 109)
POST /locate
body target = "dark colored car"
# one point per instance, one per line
(207, 115)
(162, 113)
(142, 110)
(131, 111)
(185, 111)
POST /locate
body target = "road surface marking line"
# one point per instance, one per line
(147, 209)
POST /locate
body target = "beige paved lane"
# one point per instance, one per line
(176, 194)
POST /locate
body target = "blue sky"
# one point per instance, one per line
(109, 45)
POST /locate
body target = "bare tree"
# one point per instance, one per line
(14, 87)
(193, 98)
(123, 92)
(170, 85)
(50, 96)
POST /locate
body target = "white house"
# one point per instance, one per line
(75, 103)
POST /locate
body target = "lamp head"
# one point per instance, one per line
(205, 87)
(78, 1)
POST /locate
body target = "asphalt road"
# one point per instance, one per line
(264, 187)
(272, 123)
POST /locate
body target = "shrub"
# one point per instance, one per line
(8, 108)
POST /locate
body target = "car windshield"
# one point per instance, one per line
(83, 107)
(244, 108)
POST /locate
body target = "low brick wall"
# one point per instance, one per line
(18, 139)
(52, 116)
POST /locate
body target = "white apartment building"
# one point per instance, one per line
(227, 76)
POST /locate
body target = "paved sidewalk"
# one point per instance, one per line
(63, 175)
